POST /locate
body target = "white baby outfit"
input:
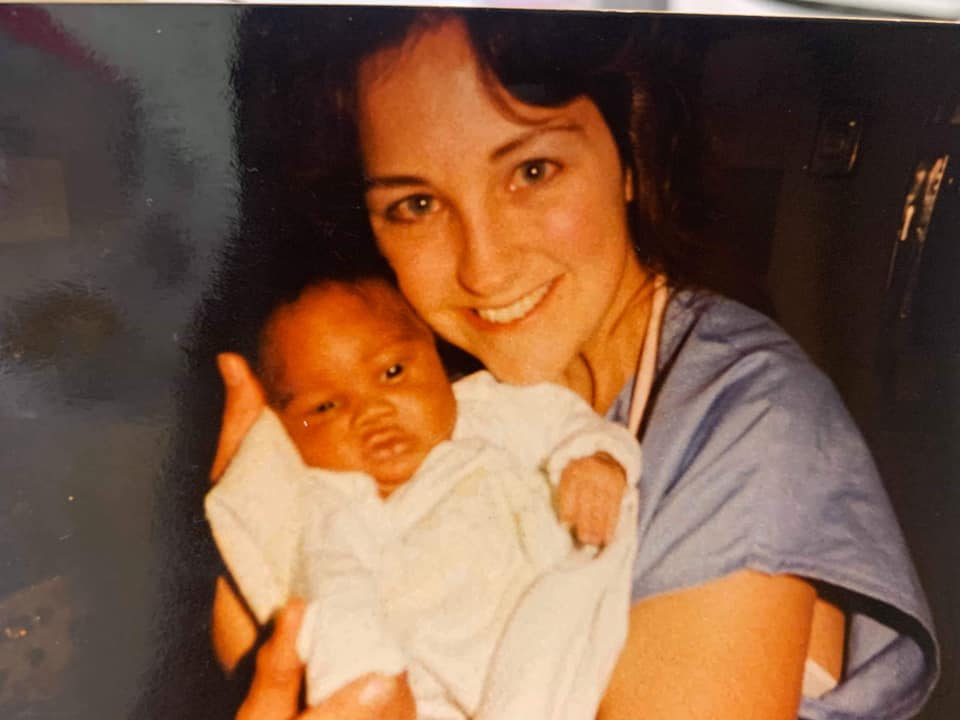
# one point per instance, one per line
(463, 577)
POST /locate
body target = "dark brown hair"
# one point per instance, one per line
(295, 78)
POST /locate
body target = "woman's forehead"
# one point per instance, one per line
(431, 96)
(447, 42)
(421, 80)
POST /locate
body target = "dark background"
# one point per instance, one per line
(116, 195)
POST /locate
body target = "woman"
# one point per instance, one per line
(527, 208)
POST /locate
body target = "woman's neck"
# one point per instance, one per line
(610, 358)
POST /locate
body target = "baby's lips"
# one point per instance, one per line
(386, 442)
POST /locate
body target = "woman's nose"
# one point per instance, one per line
(488, 261)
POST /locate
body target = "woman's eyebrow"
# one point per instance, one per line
(392, 181)
(528, 137)
(389, 181)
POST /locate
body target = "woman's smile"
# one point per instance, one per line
(516, 310)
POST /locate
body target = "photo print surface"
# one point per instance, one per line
(748, 223)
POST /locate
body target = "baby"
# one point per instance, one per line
(418, 517)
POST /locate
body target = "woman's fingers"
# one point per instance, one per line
(275, 690)
(233, 630)
(244, 402)
(371, 697)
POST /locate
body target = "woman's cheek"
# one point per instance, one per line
(560, 227)
(397, 246)
(423, 258)
(421, 272)
(570, 234)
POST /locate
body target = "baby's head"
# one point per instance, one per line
(356, 379)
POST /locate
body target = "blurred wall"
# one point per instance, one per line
(116, 123)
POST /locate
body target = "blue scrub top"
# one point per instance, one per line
(752, 461)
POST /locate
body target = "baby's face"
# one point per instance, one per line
(356, 379)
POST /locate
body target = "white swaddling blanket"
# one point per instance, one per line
(463, 577)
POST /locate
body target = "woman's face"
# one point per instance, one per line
(504, 222)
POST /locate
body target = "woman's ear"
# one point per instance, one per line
(627, 185)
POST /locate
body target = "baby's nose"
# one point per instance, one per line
(374, 409)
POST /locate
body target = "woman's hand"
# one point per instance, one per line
(275, 690)
(244, 401)
(371, 697)
(234, 632)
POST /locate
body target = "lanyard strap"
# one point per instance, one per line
(647, 365)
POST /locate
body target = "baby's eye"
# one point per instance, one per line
(532, 172)
(394, 371)
(411, 208)
(325, 407)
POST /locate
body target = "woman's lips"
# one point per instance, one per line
(516, 310)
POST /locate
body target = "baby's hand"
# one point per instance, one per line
(589, 495)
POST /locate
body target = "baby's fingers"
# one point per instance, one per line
(611, 518)
(567, 501)
(589, 524)
(598, 516)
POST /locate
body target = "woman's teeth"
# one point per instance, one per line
(516, 310)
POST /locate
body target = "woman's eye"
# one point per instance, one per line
(325, 407)
(394, 371)
(532, 172)
(411, 208)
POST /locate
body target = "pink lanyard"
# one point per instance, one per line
(647, 366)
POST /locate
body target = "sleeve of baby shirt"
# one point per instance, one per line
(543, 425)
(345, 634)
(581, 433)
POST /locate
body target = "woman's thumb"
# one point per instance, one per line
(243, 403)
